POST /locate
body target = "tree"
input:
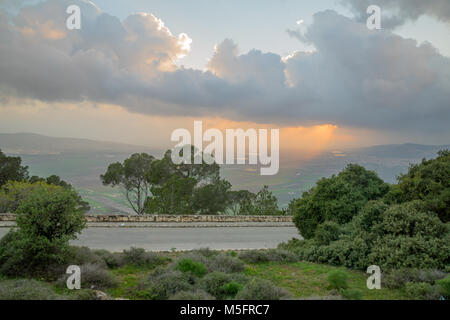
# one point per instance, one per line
(57, 181)
(241, 202)
(428, 181)
(133, 176)
(186, 188)
(172, 197)
(212, 198)
(338, 198)
(11, 169)
(265, 203)
(46, 221)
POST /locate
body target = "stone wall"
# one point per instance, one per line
(173, 218)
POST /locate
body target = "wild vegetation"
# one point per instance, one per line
(355, 220)
(158, 186)
(402, 228)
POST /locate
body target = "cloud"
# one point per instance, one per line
(401, 11)
(356, 77)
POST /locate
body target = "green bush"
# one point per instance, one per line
(84, 255)
(195, 268)
(93, 276)
(110, 259)
(444, 285)
(260, 256)
(337, 279)
(429, 182)
(231, 288)
(46, 220)
(338, 199)
(139, 257)
(192, 295)
(260, 289)
(410, 252)
(26, 289)
(419, 291)
(352, 294)
(214, 283)
(396, 279)
(225, 263)
(164, 285)
(327, 232)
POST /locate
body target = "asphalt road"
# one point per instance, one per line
(188, 238)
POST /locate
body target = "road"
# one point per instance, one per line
(164, 239)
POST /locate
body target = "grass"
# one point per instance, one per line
(301, 279)
(304, 279)
(128, 276)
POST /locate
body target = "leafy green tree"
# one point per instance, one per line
(212, 198)
(11, 169)
(265, 203)
(241, 202)
(133, 176)
(338, 198)
(172, 197)
(57, 181)
(186, 188)
(46, 221)
(428, 181)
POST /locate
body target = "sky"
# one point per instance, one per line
(138, 69)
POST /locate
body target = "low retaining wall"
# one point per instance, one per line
(172, 218)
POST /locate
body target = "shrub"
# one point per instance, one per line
(46, 220)
(276, 255)
(192, 295)
(327, 232)
(410, 252)
(213, 283)
(428, 181)
(84, 255)
(139, 257)
(396, 279)
(260, 289)
(232, 288)
(337, 279)
(338, 198)
(419, 291)
(225, 263)
(444, 285)
(25, 289)
(352, 294)
(165, 285)
(195, 268)
(111, 260)
(93, 276)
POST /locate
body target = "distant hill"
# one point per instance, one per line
(401, 151)
(36, 144)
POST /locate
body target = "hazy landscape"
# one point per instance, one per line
(81, 162)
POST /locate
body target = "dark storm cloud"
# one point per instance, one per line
(356, 77)
(397, 12)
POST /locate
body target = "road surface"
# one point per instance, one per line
(188, 238)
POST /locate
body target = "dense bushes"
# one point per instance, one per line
(46, 220)
(429, 182)
(354, 220)
(260, 289)
(338, 199)
(25, 289)
(271, 255)
(139, 257)
(337, 279)
(194, 268)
